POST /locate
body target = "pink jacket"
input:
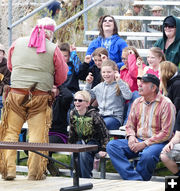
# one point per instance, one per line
(130, 75)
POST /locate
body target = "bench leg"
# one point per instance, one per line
(76, 185)
(103, 168)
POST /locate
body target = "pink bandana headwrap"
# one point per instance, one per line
(38, 38)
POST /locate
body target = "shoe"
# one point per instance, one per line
(53, 170)
(31, 177)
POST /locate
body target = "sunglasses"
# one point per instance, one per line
(79, 100)
(104, 21)
(170, 27)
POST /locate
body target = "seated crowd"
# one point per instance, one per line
(120, 89)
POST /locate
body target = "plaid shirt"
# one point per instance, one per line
(152, 122)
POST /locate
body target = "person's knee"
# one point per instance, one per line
(164, 158)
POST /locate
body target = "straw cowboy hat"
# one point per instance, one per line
(157, 8)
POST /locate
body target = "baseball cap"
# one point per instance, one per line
(150, 78)
(170, 21)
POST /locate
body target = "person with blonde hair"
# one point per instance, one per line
(37, 68)
(154, 58)
(87, 127)
(110, 94)
(170, 83)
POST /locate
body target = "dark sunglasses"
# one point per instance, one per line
(104, 21)
(171, 27)
(79, 100)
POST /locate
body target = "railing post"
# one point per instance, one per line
(9, 22)
(85, 22)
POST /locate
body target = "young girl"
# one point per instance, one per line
(170, 83)
(110, 94)
(87, 127)
(133, 67)
(154, 58)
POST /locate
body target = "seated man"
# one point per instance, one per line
(171, 152)
(149, 127)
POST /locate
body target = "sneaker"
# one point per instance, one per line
(53, 170)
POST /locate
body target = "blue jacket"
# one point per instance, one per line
(114, 45)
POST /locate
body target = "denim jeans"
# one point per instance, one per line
(111, 123)
(120, 152)
(86, 160)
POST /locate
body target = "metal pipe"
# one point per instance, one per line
(85, 21)
(77, 15)
(9, 22)
(29, 15)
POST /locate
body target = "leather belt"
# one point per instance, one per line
(26, 91)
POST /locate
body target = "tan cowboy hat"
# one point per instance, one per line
(2, 48)
(157, 8)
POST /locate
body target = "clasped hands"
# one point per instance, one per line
(135, 145)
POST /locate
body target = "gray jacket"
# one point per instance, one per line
(109, 103)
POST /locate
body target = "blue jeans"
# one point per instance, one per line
(86, 160)
(120, 152)
(128, 105)
(111, 123)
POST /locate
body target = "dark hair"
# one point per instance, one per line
(64, 47)
(100, 23)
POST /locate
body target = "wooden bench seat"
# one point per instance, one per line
(74, 148)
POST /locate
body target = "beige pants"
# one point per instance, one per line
(37, 113)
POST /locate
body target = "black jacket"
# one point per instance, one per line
(61, 106)
(173, 89)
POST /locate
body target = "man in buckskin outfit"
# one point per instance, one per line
(37, 67)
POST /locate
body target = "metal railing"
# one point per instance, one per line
(11, 26)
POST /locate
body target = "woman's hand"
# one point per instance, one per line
(89, 78)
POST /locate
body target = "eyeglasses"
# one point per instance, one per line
(170, 27)
(79, 100)
(105, 21)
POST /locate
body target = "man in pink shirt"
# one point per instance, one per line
(37, 67)
(149, 127)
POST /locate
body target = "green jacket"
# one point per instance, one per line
(173, 51)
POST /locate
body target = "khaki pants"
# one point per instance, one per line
(37, 113)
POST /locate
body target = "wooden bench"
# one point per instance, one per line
(74, 148)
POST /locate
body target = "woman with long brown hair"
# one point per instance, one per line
(108, 38)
